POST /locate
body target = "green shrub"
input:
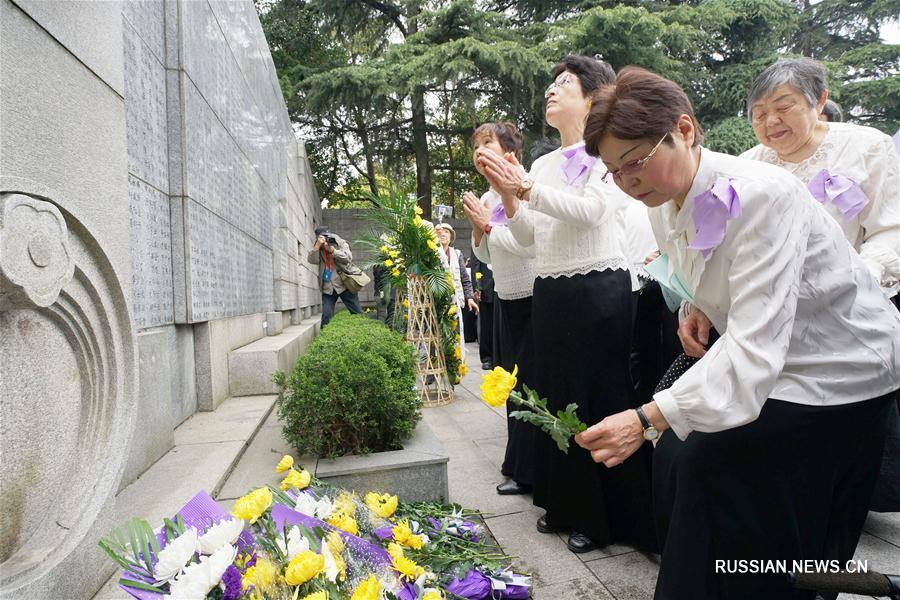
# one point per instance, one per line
(352, 392)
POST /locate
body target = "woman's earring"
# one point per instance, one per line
(590, 102)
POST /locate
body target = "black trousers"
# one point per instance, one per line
(351, 301)
(514, 346)
(486, 332)
(655, 343)
(793, 484)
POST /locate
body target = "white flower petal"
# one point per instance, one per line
(305, 504)
(222, 533)
(199, 578)
(296, 543)
(331, 568)
(173, 557)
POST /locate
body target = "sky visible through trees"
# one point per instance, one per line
(387, 92)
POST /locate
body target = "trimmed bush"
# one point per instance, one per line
(352, 392)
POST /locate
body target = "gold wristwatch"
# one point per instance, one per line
(650, 432)
(524, 186)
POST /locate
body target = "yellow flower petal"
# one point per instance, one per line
(303, 567)
(497, 385)
(383, 505)
(286, 462)
(298, 479)
(252, 506)
(368, 589)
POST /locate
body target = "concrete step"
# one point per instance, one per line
(250, 367)
(208, 445)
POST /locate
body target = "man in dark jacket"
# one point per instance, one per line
(332, 254)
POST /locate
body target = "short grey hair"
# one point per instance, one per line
(832, 111)
(805, 74)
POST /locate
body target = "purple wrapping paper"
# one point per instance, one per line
(199, 512)
(359, 547)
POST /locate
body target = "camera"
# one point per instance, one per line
(330, 239)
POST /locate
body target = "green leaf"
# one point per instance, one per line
(140, 585)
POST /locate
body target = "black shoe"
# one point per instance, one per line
(578, 543)
(510, 487)
(486, 366)
(544, 526)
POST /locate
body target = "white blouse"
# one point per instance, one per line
(639, 238)
(801, 318)
(512, 263)
(869, 158)
(575, 229)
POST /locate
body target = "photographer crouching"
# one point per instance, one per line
(332, 253)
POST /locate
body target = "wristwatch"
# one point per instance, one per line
(650, 432)
(524, 186)
(488, 227)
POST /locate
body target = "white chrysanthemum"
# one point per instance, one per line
(175, 555)
(296, 543)
(324, 203)
(198, 579)
(224, 532)
(331, 567)
(309, 506)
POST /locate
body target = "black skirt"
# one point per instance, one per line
(582, 331)
(514, 345)
(793, 484)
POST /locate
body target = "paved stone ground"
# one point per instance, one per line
(474, 435)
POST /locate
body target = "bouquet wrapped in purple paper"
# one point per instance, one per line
(312, 541)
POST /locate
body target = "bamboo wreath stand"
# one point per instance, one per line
(424, 333)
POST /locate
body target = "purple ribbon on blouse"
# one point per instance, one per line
(498, 216)
(712, 209)
(841, 191)
(577, 163)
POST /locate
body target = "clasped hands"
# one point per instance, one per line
(505, 175)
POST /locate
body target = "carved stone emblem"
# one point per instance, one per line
(35, 261)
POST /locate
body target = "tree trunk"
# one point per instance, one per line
(363, 133)
(419, 124)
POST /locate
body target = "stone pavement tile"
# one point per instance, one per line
(629, 576)
(473, 478)
(494, 449)
(445, 427)
(544, 556)
(881, 556)
(234, 419)
(583, 588)
(605, 552)
(885, 526)
(257, 466)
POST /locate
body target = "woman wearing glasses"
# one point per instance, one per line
(581, 314)
(770, 442)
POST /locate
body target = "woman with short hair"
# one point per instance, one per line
(581, 314)
(771, 441)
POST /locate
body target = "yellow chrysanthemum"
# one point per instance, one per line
(405, 303)
(261, 575)
(418, 210)
(407, 568)
(497, 385)
(393, 254)
(385, 250)
(431, 244)
(335, 544)
(253, 505)
(389, 263)
(303, 567)
(478, 276)
(345, 503)
(383, 505)
(368, 589)
(417, 220)
(452, 310)
(463, 369)
(395, 272)
(457, 352)
(323, 595)
(343, 521)
(395, 550)
(286, 462)
(404, 536)
(298, 479)
(433, 595)
(450, 278)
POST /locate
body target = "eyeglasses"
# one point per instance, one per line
(632, 167)
(563, 80)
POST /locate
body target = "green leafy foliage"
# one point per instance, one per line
(733, 135)
(352, 392)
(561, 426)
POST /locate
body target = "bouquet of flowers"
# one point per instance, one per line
(312, 541)
(406, 246)
(497, 387)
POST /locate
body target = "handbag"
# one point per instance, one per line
(353, 278)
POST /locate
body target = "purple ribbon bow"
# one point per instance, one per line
(841, 191)
(712, 209)
(498, 216)
(577, 163)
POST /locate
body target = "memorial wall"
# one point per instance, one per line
(155, 213)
